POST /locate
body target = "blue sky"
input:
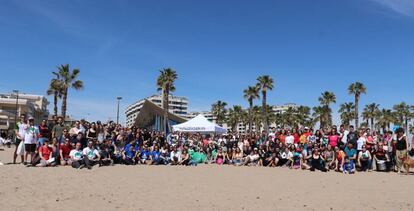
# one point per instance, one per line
(217, 47)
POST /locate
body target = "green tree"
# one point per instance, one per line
(55, 89)
(346, 111)
(234, 117)
(251, 93)
(402, 112)
(68, 79)
(370, 112)
(385, 118)
(165, 84)
(326, 99)
(356, 89)
(219, 111)
(265, 83)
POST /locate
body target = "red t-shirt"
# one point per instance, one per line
(297, 138)
(46, 151)
(65, 150)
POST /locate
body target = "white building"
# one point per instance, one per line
(280, 109)
(28, 104)
(177, 105)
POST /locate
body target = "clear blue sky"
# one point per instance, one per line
(217, 47)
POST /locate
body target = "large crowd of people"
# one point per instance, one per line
(84, 145)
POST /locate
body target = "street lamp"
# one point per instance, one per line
(17, 107)
(117, 111)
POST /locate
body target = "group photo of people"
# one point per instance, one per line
(341, 149)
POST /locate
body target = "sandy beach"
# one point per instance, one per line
(205, 187)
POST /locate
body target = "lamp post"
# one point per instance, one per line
(117, 111)
(17, 107)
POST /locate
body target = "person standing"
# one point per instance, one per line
(44, 133)
(20, 133)
(30, 140)
(58, 129)
(401, 146)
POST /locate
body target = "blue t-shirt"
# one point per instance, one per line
(350, 152)
(129, 153)
(144, 154)
(155, 155)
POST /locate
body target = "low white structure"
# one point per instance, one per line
(199, 124)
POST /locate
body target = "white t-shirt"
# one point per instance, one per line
(289, 139)
(175, 154)
(361, 141)
(22, 130)
(32, 134)
(75, 154)
(345, 136)
(91, 153)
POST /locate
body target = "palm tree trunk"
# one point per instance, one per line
(165, 107)
(55, 102)
(250, 116)
(356, 112)
(264, 112)
(372, 124)
(64, 102)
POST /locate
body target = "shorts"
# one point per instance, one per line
(30, 147)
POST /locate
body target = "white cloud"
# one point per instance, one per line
(402, 7)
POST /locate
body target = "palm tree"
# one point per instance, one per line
(319, 115)
(303, 116)
(403, 113)
(370, 112)
(251, 93)
(265, 83)
(165, 83)
(347, 112)
(326, 99)
(219, 111)
(55, 89)
(234, 117)
(244, 118)
(357, 89)
(257, 117)
(385, 118)
(68, 79)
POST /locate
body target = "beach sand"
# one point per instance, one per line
(205, 187)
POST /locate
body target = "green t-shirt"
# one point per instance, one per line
(58, 130)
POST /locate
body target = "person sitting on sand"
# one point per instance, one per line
(252, 158)
(175, 156)
(220, 157)
(351, 153)
(45, 154)
(105, 156)
(380, 155)
(186, 159)
(329, 157)
(76, 156)
(65, 149)
(129, 156)
(348, 167)
(364, 159)
(339, 159)
(237, 156)
(155, 156)
(144, 155)
(317, 162)
(91, 155)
